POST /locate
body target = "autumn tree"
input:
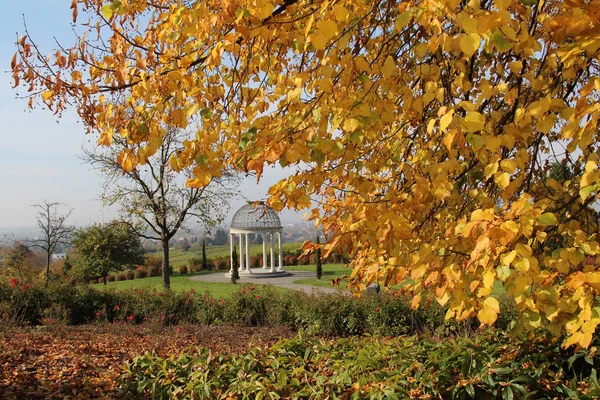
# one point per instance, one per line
(17, 261)
(100, 249)
(54, 230)
(154, 195)
(417, 127)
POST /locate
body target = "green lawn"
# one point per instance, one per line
(181, 283)
(178, 257)
(330, 272)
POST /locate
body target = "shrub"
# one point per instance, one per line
(153, 260)
(255, 262)
(303, 260)
(487, 366)
(121, 277)
(154, 271)
(221, 265)
(140, 273)
(110, 278)
(183, 270)
(290, 260)
(129, 275)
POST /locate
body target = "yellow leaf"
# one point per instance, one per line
(509, 166)
(389, 67)
(341, 13)
(351, 124)
(472, 122)
(446, 120)
(470, 43)
(47, 95)
(502, 179)
(489, 313)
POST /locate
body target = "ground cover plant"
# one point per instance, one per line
(486, 366)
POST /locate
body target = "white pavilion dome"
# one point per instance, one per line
(260, 216)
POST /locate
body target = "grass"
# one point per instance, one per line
(330, 272)
(180, 283)
(179, 257)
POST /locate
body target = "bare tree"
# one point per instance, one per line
(54, 230)
(155, 197)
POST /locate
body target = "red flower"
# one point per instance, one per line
(257, 296)
(116, 307)
(13, 282)
(131, 317)
(178, 330)
(162, 317)
(376, 309)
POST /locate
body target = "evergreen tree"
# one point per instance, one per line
(204, 263)
(235, 274)
(319, 265)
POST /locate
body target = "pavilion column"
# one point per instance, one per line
(231, 239)
(241, 268)
(279, 252)
(247, 255)
(264, 240)
(272, 251)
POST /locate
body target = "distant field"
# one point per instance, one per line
(178, 257)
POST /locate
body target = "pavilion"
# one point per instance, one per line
(259, 219)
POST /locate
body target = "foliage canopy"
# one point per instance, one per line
(421, 129)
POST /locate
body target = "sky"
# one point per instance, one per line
(39, 153)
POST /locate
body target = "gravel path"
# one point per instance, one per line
(281, 281)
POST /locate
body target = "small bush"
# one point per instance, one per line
(153, 271)
(129, 275)
(255, 262)
(290, 260)
(110, 278)
(221, 265)
(153, 260)
(183, 269)
(140, 273)
(121, 277)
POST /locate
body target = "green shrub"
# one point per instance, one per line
(121, 277)
(140, 273)
(110, 278)
(488, 366)
(153, 270)
(183, 270)
(129, 275)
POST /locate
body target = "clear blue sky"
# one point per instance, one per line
(39, 153)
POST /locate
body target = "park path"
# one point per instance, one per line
(280, 281)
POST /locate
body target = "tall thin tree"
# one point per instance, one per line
(318, 254)
(204, 263)
(54, 230)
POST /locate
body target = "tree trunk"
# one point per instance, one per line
(104, 277)
(48, 256)
(165, 264)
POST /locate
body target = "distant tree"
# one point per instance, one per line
(204, 263)
(17, 260)
(184, 244)
(319, 264)
(156, 194)
(101, 249)
(235, 274)
(221, 237)
(54, 230)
